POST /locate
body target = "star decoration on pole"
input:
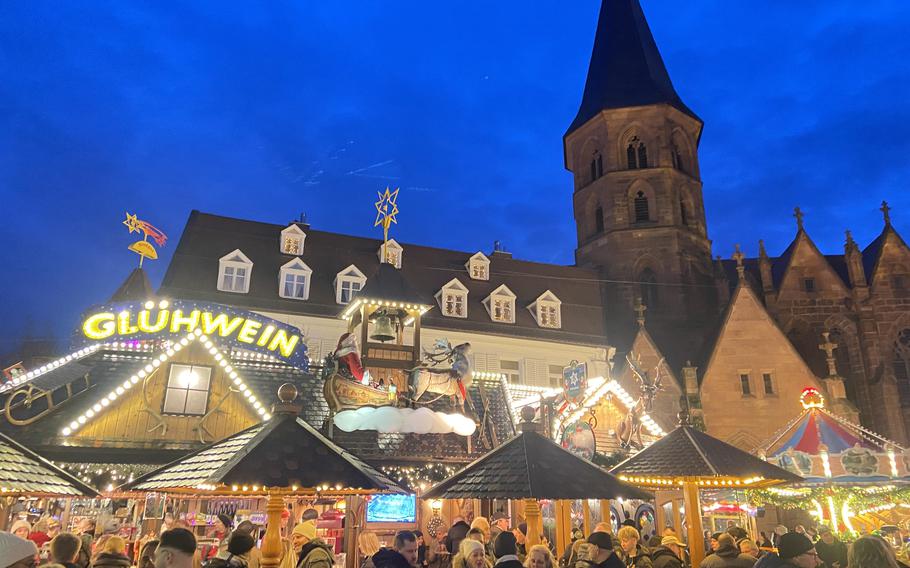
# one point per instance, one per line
(386, 210)
(144, 248)
(133, 224)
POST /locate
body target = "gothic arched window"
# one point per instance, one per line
(642, 212)
(636, 154)
(597, 166)
(647, 282)
(902, 365)
(599, 220)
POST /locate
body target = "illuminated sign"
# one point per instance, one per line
(154, 320)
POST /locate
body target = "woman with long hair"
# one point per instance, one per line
(540, 557)
(368, 544)
(871, 552)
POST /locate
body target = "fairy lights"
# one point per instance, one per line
(152, 366)
(44, 369)
(648, 481)
(598, 388)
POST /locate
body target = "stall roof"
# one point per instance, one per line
(22, 471)
(530, 466)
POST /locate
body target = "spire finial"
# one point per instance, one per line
(798, 213)
(828, 347)
(762, 253)
(849, 244)
(640, 309)
(886, 213)
(738, 256)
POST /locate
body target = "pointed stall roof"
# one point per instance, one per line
(24, 472)
(285, 452)
(135, 288)
(530, 466)
(626, 68)
(388, 284)
(687, 452)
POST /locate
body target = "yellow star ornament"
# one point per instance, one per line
(132, 223)
(386, 208)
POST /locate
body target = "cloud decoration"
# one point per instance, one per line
(404, 420)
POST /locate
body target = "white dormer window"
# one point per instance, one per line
(347, 283)
(547, 310)
(478, 267)
(292, 239)
(294, 280)
(453, 299)
(392, 254)
(234, 272)
(500, 304)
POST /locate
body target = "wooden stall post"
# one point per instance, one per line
(561, 531)
(271, 542)
(693, 522)
(532, 518)
(604, 513)
(586, 511)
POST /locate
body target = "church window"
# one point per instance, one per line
(630, 157)
(677, 159)
(768, 383)
(744, 384)
(809, 284)
(599, 220)
(187, 390)
(901, 365)
(642, 211)
(642, 156)
(294, 280)
(234, 272)
(597, 166)
(648, 283)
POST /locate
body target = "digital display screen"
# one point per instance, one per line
(392, 509)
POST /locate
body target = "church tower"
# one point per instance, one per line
(633, 150)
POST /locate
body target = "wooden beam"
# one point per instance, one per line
(693, 522)
(532, 518)
(271, 543)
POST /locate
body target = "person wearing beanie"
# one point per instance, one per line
(727, 555)
(237, 553)
(599, 552)
(255, 556)
(471, 554)
(313, 552)
(16, 552)
(176, 549)
(505, 549)
(521, 540)
(669, 554)
(21, 529)
(795, 550)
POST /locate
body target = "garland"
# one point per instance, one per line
(860, 498)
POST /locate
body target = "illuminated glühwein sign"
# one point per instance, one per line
(157, 319)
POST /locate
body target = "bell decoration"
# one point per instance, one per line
(382, 329)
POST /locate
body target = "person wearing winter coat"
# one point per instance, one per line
(727, 555)
(113, 554)
(471, 554)
(237, 553)
(669, 554)
(403, 553)
(314, 552)
(630, 551)
(830, 550)
(457, 533)
(16, 552)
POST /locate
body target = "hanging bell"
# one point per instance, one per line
(383, 329)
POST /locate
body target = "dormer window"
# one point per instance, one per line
(347, 283)
(390, 253)
(547, 310)
(294, 280)
(500, 304)
(453, 299)
(234, 272)
(292, 239)
(478, 267)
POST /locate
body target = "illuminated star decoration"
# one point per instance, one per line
(386, 208)
(144, 248)
(133, 224)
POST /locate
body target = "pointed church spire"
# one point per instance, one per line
(798, 214)
(626, 69)
(886, 213)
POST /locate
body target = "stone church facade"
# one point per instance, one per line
(737, 339)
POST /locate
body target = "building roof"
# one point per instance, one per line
(626, 68)
(22, 471)
(817, 428)
(136, 287)
(283, 452)
(193, 273)
(687, 452)
(530, 466)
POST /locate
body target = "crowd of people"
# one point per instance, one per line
(481, 544)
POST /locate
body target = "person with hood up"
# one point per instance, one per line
(794, 550)
(113, 554)
(403, 553)
(727, 555)
(505, 549)
(471, 554)
(599, 552)
(16, 552)
(314, 552)
(631, 552)
(237, 553)
(669, 554)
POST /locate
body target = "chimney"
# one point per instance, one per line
(302, 221)
(499, 251)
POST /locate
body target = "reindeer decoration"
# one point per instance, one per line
(446, 371)
(629, 431)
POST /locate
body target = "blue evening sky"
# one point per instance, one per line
(265, 110)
